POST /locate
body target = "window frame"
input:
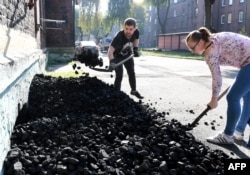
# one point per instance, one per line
(174, 13)
(241, 16)
(223, 3)
(229, 18)
(222, 19)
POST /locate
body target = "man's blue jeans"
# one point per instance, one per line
(239, 90)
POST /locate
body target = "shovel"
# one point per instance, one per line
(193, 124)
(113, 66)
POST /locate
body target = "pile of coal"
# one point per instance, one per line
(83, 126)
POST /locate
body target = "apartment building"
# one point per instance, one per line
(187, 15)
(151, 29)
(183, 16)
(231, 15)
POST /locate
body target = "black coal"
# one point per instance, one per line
(89, 58)
(83, 126)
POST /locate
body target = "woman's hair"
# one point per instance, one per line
(196, 35)
(130, 22)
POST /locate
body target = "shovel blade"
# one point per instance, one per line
(194, 123)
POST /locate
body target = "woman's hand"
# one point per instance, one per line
(213, 103)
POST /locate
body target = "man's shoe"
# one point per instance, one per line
(137, 94)
(221, 139)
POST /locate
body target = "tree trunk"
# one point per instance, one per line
(208, 6)
(163, 20)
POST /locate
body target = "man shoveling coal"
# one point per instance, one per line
(120, 48)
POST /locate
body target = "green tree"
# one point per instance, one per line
(137, 11)
(162, 7)
(243, 31)
(118, 10)
(89, 17)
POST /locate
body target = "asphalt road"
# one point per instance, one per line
(182, 88)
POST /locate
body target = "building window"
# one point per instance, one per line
(175, 1)
(230, 2)
(241, 1)
(222, 19)
(196, 11)
(149, 29)
(241, 16)
(222, 3)
(174, 13)
(155, 21)
(229, 18)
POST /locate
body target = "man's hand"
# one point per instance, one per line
(112, 64)
(136, 52)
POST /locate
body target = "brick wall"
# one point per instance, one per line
(16, 27)
(20, 60)
(172, 41)
(60, 34)
(234, 9)
(16, 15)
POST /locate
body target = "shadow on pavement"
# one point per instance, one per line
(235, 149)
(230, 73)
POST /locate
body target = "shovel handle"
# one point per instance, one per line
(199, 117)
(223, 93)
(114, 66)
(207, 109)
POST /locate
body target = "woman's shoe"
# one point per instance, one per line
(221, 138)
(238, 135)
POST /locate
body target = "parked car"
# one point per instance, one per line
(88, 52)
(87, 47)
(77, 43)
